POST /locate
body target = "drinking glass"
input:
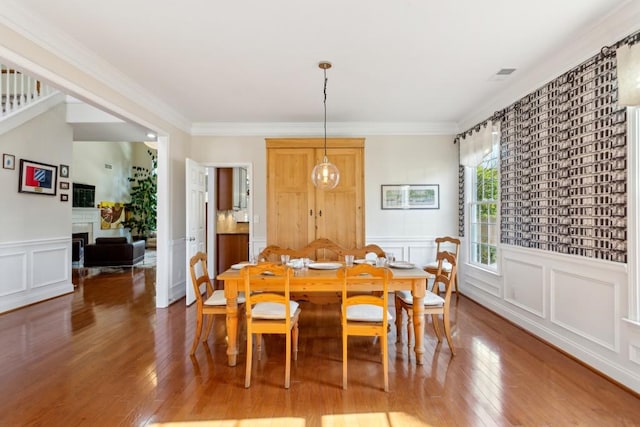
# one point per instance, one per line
(381, 261)
(390, 257)
(284, 259)
(348, 260)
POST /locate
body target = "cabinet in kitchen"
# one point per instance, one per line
(224, 195)
(231, 248)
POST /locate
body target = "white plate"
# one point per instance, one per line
(364, 261)
(401, 264)
(325, 265)
(240, 265)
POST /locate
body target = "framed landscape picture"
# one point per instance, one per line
(410, 196)
(38, 178)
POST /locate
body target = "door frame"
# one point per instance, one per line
(211, 168)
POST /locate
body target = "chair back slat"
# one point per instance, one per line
(200, 276)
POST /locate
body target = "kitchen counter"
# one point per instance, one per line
(232, 228)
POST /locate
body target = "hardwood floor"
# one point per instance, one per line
(104, 356)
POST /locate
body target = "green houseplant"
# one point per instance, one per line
(141, 211)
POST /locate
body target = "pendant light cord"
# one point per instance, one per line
(325, 113)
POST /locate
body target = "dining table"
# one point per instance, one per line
(322, 280)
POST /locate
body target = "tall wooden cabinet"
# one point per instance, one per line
(224, 195)
(298, 213)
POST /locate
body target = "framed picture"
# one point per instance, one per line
(8, 161)
(64, 197)
(38, 178)
(64, 171)
(410, 196)
(64, 185)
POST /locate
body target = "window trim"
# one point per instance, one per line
(633, 210)
(470, 178)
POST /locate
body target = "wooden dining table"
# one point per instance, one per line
(321, 281)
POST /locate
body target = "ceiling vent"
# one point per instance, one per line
(502, 74)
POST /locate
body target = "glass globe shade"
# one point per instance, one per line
(325, 175)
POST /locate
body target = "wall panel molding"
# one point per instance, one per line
(524, 285)
(177, 270)
(586, 301)
(594, 317)
(34, 271)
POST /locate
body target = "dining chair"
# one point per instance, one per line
(434, 304)
(208, 301)
(269, 311)
(272, 253)
(452, 246)
(365, 314)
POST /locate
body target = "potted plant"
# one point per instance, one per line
(141, 211)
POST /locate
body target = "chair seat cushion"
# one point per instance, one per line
(272, 310)
(218, 298)
(446, 266)
(430, 299)
(366, 313)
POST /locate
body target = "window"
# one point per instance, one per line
(484, 227)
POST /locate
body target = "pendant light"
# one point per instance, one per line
(325, 175)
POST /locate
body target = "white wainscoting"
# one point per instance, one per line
(177, 270)
(33, 271)
(575, 303)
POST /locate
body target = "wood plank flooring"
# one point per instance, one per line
(104, 356)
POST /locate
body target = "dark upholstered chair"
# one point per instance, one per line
(113, 252)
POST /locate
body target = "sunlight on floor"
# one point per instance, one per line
(379, 419)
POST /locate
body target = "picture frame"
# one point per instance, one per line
(64, 185)
(410, 196)
(64, 171)
(64, 197)
(38, 178)
(8, 161)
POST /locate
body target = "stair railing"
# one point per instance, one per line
(18, 90)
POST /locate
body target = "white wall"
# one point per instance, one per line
(90, 160)
(35, 231)
(42, 216)
(107, 165)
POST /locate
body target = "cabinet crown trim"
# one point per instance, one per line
(314, 142)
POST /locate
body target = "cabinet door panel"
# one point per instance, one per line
(342, 219)
(290, 198)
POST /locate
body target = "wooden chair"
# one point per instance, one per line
(272, 254)
(211, 303)
(268, 312)
(452, 246)
(434, 304)
(365, 314)
(363, 251)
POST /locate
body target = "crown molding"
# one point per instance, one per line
(610, 28)
(316, 128)
(33, 28)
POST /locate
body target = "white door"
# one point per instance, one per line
(196, 230)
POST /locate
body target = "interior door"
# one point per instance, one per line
(196, 229)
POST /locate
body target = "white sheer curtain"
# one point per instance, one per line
(628, 64)
(474, 147)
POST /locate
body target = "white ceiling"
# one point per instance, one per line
(255, 61)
